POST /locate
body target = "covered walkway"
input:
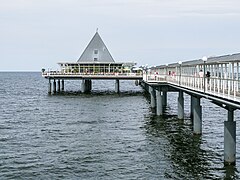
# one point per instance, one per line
(213, 78)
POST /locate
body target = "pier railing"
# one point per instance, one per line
(218, 86)
(59, 73)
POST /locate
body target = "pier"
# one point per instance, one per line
(213, 78)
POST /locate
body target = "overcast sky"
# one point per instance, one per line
(39, 33)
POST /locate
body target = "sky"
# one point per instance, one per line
(36, 34)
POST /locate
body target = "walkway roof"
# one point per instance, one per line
(211, 60)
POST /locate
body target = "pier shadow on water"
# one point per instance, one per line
(184, 150)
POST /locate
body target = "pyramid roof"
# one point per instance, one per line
(96, 51)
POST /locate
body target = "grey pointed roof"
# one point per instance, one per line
(96, 51)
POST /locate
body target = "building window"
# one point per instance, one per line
(95, 59)
(95, 51)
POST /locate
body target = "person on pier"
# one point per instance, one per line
(201, 74)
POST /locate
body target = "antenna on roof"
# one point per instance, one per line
(97, 30)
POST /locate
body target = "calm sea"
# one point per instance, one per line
(104, 135)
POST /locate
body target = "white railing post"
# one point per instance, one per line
(229, 87)
(214, 84)
(223, 86)
(234, 92)
(232, 76)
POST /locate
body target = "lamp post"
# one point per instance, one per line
(204, 73)
(145, 68)
(180, 71)
(166, 71)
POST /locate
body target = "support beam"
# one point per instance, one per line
(159, 103)
(117, 86)
(197, 116)
(54, 86)
(62, 84)
(230, 139)
(180, 105)
(49, 87)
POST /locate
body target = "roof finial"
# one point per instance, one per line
(97, 30)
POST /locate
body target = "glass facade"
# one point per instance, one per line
(96, 68)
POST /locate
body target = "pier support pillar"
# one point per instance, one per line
(180, 105)
(153, 100)
(191, 106)
(230, 139)
(83, 86)
(49, 87)
(89, 85)
(147, 88)
(197, 116)
(62, 85)
(117, 86)
(86, 85)
(159, 103)
(54, 86)
(58, 85)
(164, 98)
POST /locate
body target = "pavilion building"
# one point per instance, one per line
(97, 60)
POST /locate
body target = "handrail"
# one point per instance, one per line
(90, 74)
(213, 85)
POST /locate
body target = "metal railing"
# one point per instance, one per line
(55, 73)
(212, 85)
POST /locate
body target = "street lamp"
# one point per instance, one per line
(166, 71)
(145, 68)
(180, 71)
(204, 72)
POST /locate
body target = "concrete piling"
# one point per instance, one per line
(164, 97)
(62, 84)
(58, 85)
(49, 87)
(197, 116)
(230, 139)
(191, 106)
(117, 86)
(86, 85)
(54, 86)
(159, 103)
(153, 98)
(180, 105)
